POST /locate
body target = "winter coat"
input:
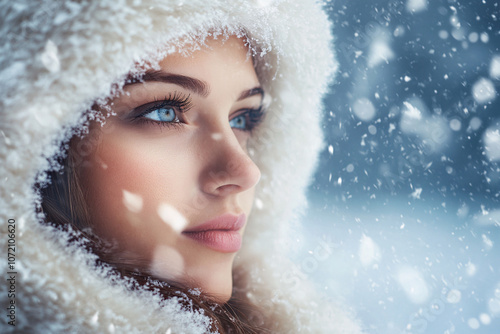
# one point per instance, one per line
(56, 58)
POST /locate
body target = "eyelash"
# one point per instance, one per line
(182, 103)
(253, 117)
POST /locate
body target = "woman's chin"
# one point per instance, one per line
(218, 286)
(212, 278)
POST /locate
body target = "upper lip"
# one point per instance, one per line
(224, 222)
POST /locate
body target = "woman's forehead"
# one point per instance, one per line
(232, 50)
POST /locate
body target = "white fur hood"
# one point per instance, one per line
(57, 57)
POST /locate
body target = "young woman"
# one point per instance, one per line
(155, 157)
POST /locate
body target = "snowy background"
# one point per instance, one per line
(407, 192)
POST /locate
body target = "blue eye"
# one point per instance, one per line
(239, 122)
(247, 120)
(167, 112)
(162, 115)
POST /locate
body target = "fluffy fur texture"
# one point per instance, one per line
(57, 57)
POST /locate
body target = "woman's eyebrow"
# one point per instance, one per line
(197, 86)
(251, 92)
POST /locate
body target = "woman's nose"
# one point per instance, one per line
(228, 168)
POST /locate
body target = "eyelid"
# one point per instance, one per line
(253, 115)
(152, 106)
(244, 110)
(179, 101)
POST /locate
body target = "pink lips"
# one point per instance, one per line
(220, 234)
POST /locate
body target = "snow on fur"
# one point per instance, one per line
(57, 57)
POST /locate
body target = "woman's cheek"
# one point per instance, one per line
(142, 175)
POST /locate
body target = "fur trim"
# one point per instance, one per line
(57, 57)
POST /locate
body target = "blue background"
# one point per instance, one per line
(412, 214)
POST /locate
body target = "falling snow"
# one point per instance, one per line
(363, 109)
(415, 6)
(484, 91)
(132, 202)
(412, 191)
(369, 251)
(413, 284)
(380, 50)
(172, 217)
(473, 323)
(492, 143)
(432, 130)
(416, 194)
(495, 67)
(454, 296)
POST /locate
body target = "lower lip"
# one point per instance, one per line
(219, 240)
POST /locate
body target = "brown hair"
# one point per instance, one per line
(63, 204)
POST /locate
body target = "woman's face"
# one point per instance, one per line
(170, 181)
